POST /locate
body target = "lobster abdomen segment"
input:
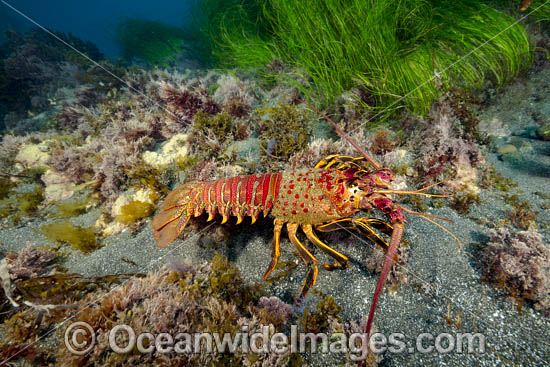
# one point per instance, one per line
(238, 196)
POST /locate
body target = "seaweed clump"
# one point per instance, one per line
(521, 215)
(491, 178)
(42, 303)
(184, 104)
(217, 129)
(462, 201)
(80, 238)
(283, 131)
(6, 185)
(30, 262)
(443, 143)
(209, 299)
(519, 263)
(21, 204)
(383, 142)
(68, 209)
(323, 317)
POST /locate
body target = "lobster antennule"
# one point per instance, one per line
(421, 190)
(425, 217)
(341, 132)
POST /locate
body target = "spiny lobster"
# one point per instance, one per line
(323, 198)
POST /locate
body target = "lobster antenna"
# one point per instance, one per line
(346, 136)
(419, 191)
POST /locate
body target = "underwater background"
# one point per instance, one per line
(106, 107)
(101, 18)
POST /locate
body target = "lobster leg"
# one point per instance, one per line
(308, 258)
(343, 260)
(342, 160)
(276, 250)
(366, 225)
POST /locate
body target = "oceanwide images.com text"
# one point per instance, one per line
(80, 338)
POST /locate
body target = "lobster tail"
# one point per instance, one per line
(170, 231)
(174, 214)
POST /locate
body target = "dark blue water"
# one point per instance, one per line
(94, 21)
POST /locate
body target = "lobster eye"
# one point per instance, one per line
(355, 190)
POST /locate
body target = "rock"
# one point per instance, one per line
(58, 186)
(465, 179)
(494, 127)
(507, 149)
(169, 152)
(113, 228)
(145, 195)
(526, 131)
(249, 149)
(411, 172)
(145, 198)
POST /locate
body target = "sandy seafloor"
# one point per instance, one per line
(438, 272)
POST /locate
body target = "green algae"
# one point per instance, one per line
(145, 175)
(6, 185)
(221, 125)
(227, 283)
(319, 319)
(461, 202)
(21, 204)
(332, 48)
(70, 209)
(491, 178)
(153, 42)
(283, 130)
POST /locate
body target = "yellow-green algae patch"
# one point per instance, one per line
(134, 210)
(21, 204)
(70, 209)
(80, 238)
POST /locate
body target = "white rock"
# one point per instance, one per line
(58, 186)
(33, 155)
(172, 150)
